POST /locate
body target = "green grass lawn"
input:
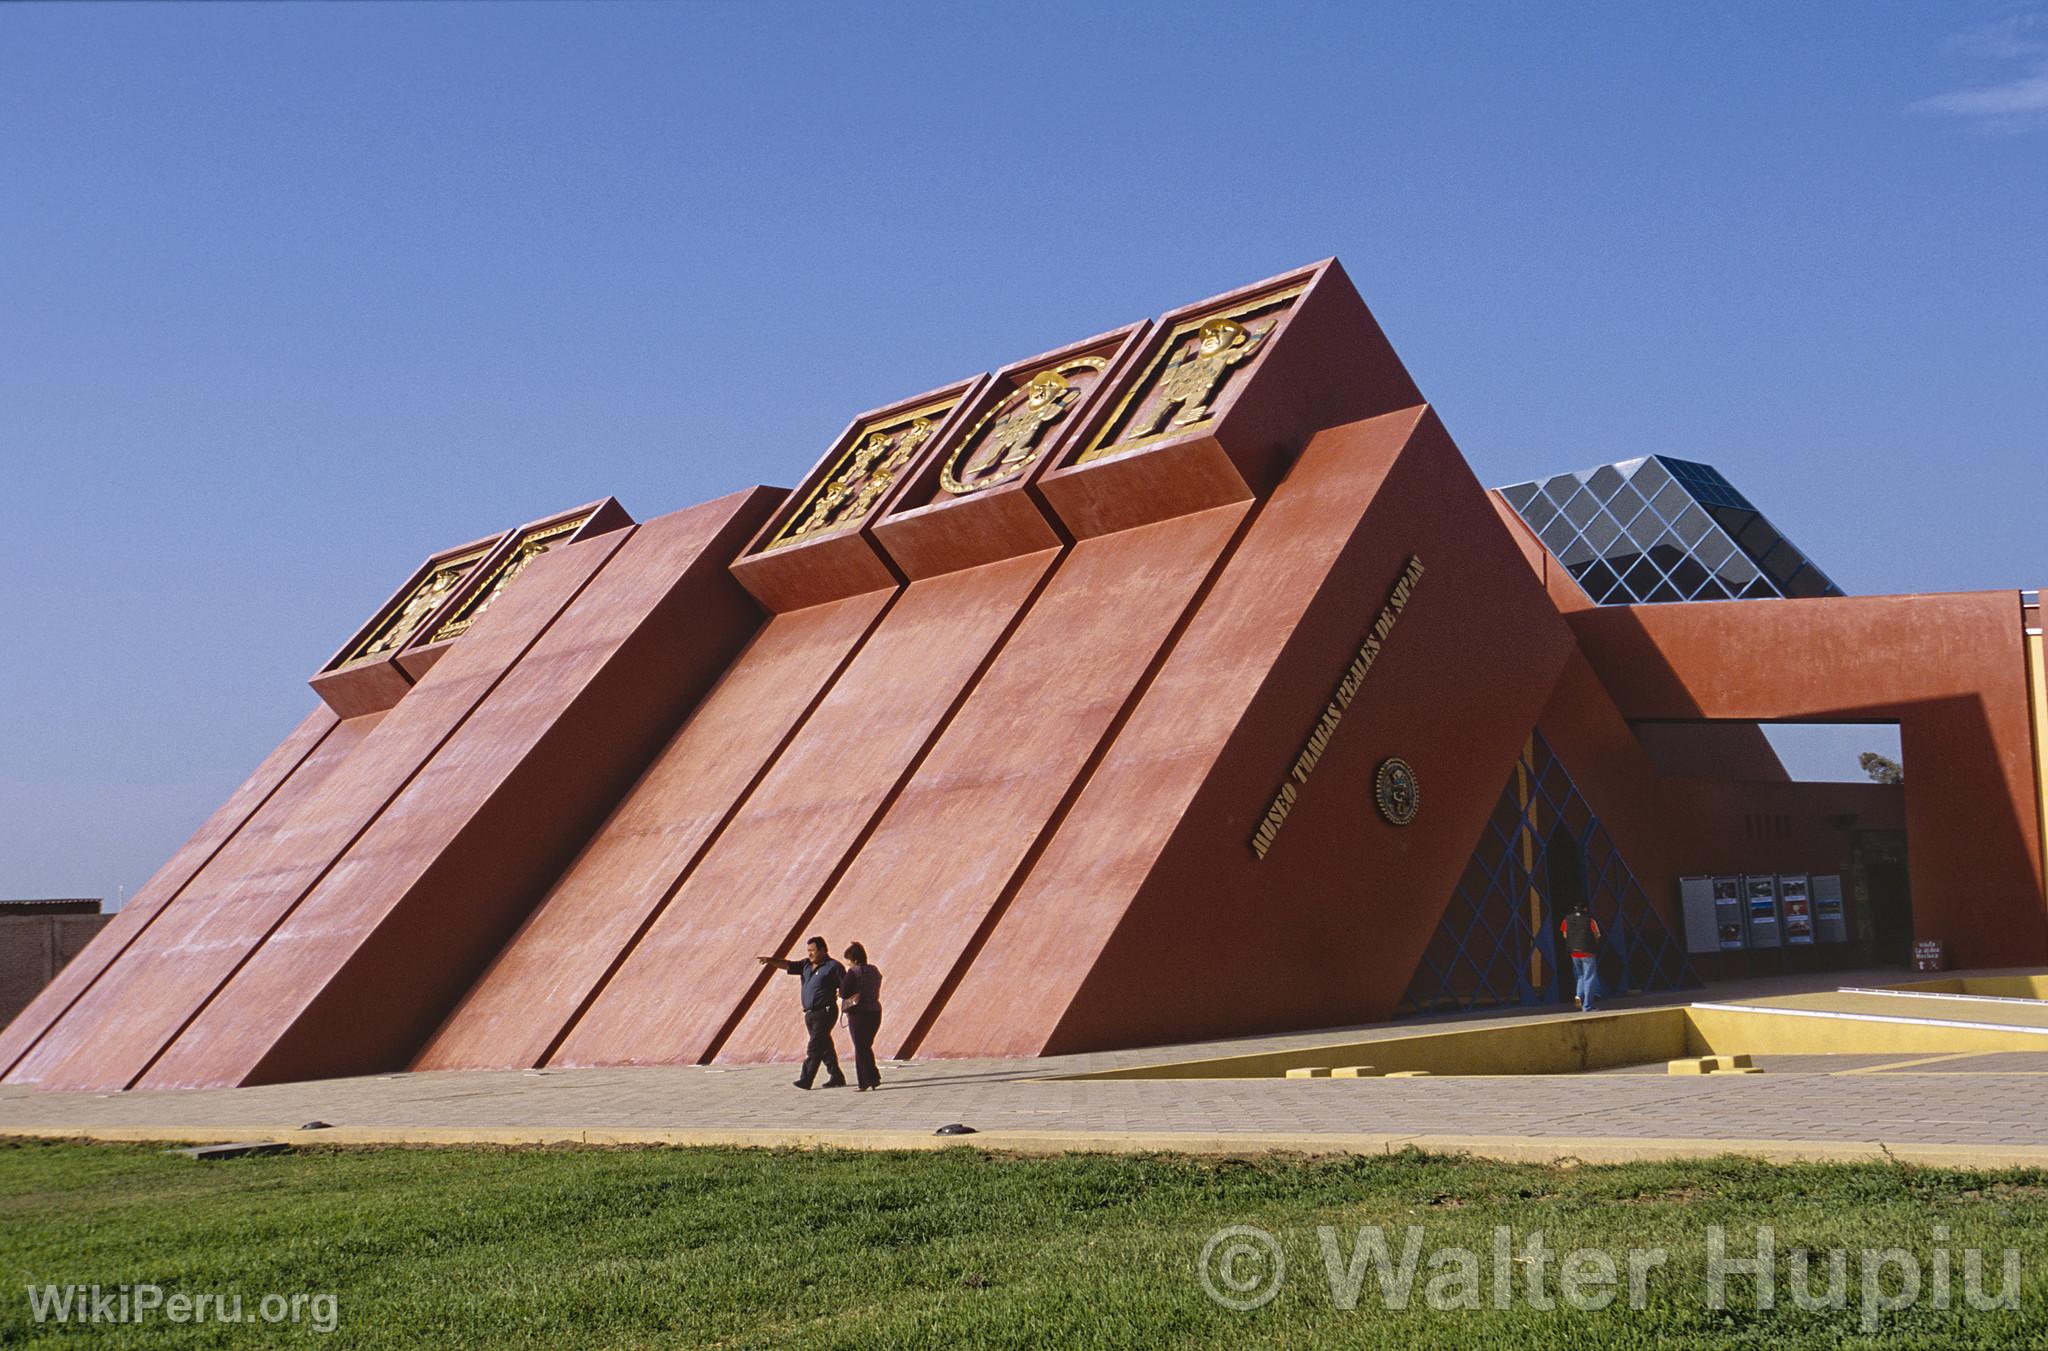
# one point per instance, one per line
(658, 1247)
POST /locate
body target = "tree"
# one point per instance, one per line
(1881, 768)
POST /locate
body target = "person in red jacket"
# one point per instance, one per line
(1581, 934)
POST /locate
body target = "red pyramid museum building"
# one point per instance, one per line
(1176, 684)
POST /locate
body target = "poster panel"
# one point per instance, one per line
(1696, 903)
(1762, 891)
(1829, 923)
(1795, 906)
(1728, 920)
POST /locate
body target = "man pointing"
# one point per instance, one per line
(818, 991)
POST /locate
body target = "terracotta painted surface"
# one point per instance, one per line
(1949, 669)
(256, 795)
(228, 915)
(1712, 750)
(1775, 827)
(546, 974)
(754, 892)
(438, 883)
(952, 845)
(1564, 592)
(366, 687)
(845, 561)
(930, 531)
(1619, 780)
(139, 1002)
(1324, 363)
(1150, 886)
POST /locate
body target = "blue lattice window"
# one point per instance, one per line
(1542, 849)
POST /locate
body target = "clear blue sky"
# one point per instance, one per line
(290, 296)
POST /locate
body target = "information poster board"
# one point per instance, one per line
(1795, 908)
(1728, 922)
(1696, 903)
(1762, 891)
(1829, 923)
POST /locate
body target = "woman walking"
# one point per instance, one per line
(861, 992)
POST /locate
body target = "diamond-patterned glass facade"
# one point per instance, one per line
(1542, 850)
(1659, 529)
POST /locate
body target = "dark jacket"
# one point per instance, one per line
(862, 986)
(819, 991)
(1581, 933)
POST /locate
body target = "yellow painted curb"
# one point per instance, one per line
(1507, 1148)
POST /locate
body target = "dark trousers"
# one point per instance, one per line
(821, 1051)
(861, 1025)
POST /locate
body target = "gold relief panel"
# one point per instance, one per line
(418, 605)
(1199, 360)
(873, 463)
(530, 546)
(1012, 435)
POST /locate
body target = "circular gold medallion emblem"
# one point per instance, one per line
(1395, 791)
(1012, 435)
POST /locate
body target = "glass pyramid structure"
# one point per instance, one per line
(1660, 529)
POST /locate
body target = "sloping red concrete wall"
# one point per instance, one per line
(140, 1001)
(954, 843)
(255, 798)
(1950, 669)
(755, 890)
(221, 921)
(438, 882)
(592, 917)
(1148, 918)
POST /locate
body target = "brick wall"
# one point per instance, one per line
(33, 949)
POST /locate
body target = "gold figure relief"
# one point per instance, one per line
(1010, 437)
(866, 472)
(1189, 374)
(426, 598)
(1192, 378)
(529, 548)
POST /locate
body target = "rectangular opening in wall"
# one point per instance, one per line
(1837, 752)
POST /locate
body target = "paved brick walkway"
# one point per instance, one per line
(1990, 1109)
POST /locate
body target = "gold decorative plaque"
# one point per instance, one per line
(871, 465)
(1011, 436)
(413, 611)
(530, 547)
(1191, 370)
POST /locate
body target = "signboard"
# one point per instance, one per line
(1696, 903)
(1728, 923)
(1762, 892)
(1928, 955)
(1829, 923)
(1795, 907)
